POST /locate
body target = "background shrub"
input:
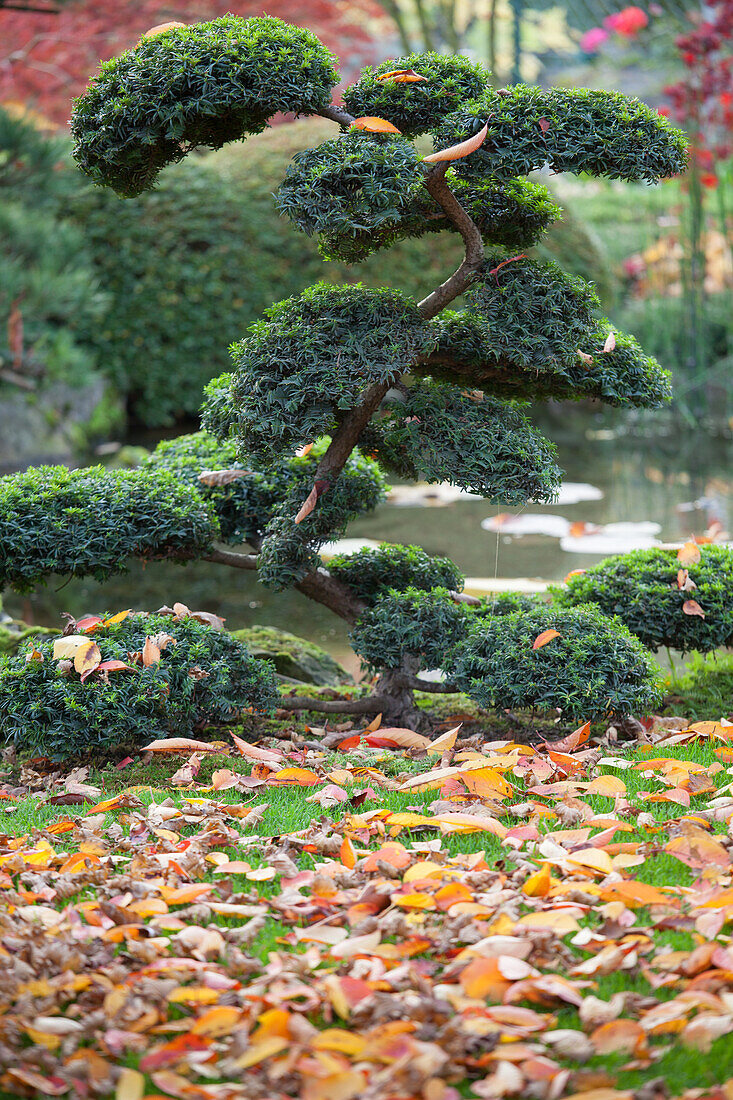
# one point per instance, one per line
(88, 522)
(641, 588)
(203, 677)
(595, 668)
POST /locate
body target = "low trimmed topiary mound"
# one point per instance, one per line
(645, 588)
(206, 84)
(371, 573)
(200, 677)
(594, 668)
(87, 522)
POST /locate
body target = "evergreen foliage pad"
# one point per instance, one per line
(200, 85)
(414, 624)
(570, 130)
(88, 522)
(415, 108)
(479, 443)
(314, 356)
(373, 571)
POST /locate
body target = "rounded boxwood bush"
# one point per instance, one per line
(482, 444)
(642, 589)
(415, 108)
(203, 677)
(87, 522)
(206, 84)
(413, 624)
(372, 572)
(313, 357)
(595, 668)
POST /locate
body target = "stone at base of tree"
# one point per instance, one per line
(295, 659)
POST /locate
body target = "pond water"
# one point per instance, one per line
(681, 480)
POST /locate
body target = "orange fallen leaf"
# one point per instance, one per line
(401, 76)
(293, 777)
(545, 637)
(462, 149)
(692, 607)
(161, 28)
(689, 554)
(538, 884)
(373, 125)
(619, 1036)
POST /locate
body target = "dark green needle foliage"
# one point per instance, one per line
(570, 130)
(535, 314)
(415, 108)
(359, 183)
(625, 375)
(595, 668)
(373, 571)
(88, 522)
(642, 589)
(511, 213)
(245, 506)
(505, 603)
(206, 84)
(219, 414)
(204, 677)
(414, 624)
(314, 356)
(438, 433)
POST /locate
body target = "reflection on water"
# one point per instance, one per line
(680, 482)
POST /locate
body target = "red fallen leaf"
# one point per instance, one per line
(402, 76)
(573, 740)
(112, 666)
(545, 637)
(689, 554)
(610, 343)
(348, 743)
(173, 1052)
(89, 623)
(462, 149)
(512, 259)
(373, 125)
(376, 742)
(124, 763)
(544, 125)
(692, 607)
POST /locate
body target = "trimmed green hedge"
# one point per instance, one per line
(88, 522)
(203, 677)
(595, 668)
(641, 588)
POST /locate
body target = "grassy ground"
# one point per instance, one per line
(100, 896)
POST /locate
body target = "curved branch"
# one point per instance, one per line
(229, 557)
(461, 279)
(373, 704)
(336, 114)
(432, 686)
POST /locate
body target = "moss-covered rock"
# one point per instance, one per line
(293, 657)
(13, 633)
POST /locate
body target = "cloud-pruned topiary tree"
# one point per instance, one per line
(336, 382)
